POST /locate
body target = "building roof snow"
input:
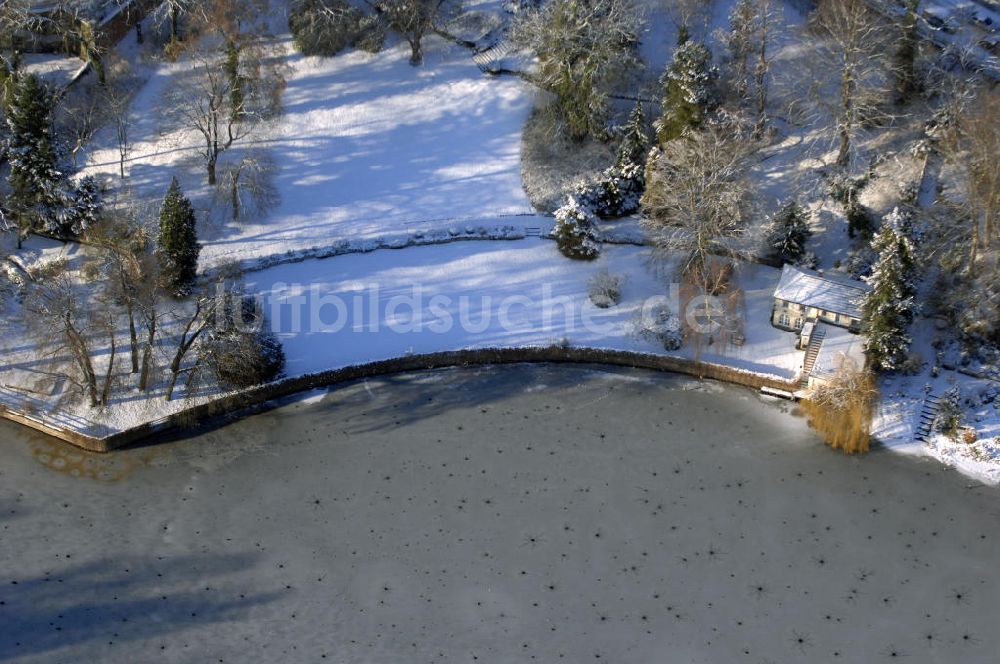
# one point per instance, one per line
(839, 295)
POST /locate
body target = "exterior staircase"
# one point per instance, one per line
(812, 352)
(928, 412)
(488, 58)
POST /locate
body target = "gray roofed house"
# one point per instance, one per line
(808, 296)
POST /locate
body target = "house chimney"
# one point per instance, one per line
(819, 272)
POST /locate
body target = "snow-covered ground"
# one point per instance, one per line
(903, 398)
(367, 146)
(365, 307)
(53, 68)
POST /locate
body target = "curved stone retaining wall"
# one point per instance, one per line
(234, 403)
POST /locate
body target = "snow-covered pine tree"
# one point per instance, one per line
(178, 240)
(635, 141)
(888, 308)
(231, 66)
(82, 209)
(787, 235)
(575, 233)
(739, 43)
(34, 176)
(619, 191)
(690, 92)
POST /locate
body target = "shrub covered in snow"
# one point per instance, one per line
(82, 208)
(619, 191)
(948, 420)
(575, 233)
(241, 350)
(605, 289)
(660, 325)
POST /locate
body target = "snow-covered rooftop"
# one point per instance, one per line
(839, 295)
(838, 345)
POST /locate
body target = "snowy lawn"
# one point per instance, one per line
(366, 307)
(483, 295)
(367, 146)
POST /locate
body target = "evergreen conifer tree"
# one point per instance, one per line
(635, 141)
(231, 65)
(34, 177)
(888, 308)
(690, 93)
(81, 209)
(905, 56)
(788, 234)
(179, 246)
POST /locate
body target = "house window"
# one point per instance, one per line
(798, 323)
(784, 321)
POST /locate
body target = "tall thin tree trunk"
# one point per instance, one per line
(133, 337)
(79, 347)
(147, 351)
(416, 53)
(761, 72)
(109, 374)
(234, 193)
(974, 247)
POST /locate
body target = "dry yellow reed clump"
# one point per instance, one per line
(841, 410)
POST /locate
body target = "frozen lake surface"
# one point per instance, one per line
(500, 515)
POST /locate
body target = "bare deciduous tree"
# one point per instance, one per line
(118, 103)
(132, 280)
(62, 314)
(698, 200)
(413, 19)
(852, 45)
(205, 102)
(842, 409)
(15, 18)
(688, 15)
(754, 25)
(172, 12)
(974, 148)
(247, 185)
(79, 115)
(197, 322)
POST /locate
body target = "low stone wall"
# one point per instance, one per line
(234, 403)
